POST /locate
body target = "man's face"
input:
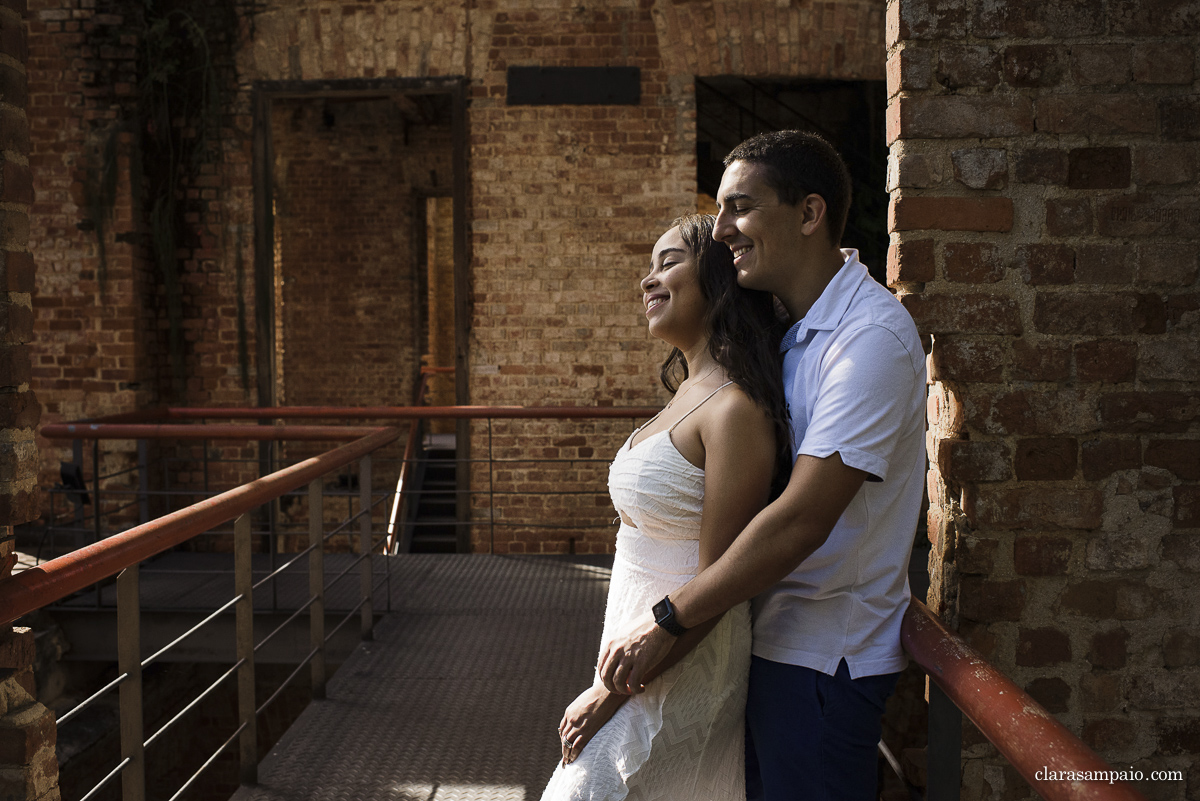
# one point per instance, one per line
(762, 231)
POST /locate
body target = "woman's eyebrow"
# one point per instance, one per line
(663, 253)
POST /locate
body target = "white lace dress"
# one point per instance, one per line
(683, 737)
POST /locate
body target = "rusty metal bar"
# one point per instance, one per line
(380, 413)
(34, 588)
(205, 431)
(1026, 734)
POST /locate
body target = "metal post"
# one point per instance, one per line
(364, 543)
(944, 753)
(98, 524)
(77, 497)
(316, 583)
(491, 493)
(143, 450)
(129, 662)
(244, 583)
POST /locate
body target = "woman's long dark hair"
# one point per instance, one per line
(744, 331)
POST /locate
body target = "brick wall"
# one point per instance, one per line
(1044, 219)
(19, 409)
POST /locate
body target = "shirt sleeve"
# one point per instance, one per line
(863, 400)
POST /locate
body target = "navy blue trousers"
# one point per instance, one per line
(811, 736)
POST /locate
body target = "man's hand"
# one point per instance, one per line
(625, 660)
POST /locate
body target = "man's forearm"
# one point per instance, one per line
(772, 545)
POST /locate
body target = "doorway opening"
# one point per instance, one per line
(849, 114)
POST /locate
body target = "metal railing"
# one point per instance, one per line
(962, 682)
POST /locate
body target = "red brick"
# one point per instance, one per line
(967, 65)
(1098, 168)
(16, 182)
(1069, 216)
(1149, 412)
(1149, 215)
(964, 314)
(1104, 264)
(1163, 62)
(1037, 20)
(1187, 506)
(986, 600)
(909, 69)
(971, 262)
(1026, 411)
(14, 228)
(1041, 361)
(1180, 456)
(929, 19)
(1183, 549)
(1041, 555)
(1153, 17)
(1109, 734)
(910, 261)
(1052, 693)
(1180, 117)
(969, 461)
(16, 271)
(1096, 114)
(1034, 65)
(976, 556)
(1046, 459)
(1109, 649)
(1179, 735)
(19, 743)
(1111, 361)
(1110, 599)
(14, 129)
(13, 40)
(1093, 65)
(17, 648)
(1181, 312)
(1042, 647)
(1170, 358)
(1181, 648)
(908, 213)
(1033, 506)
(15, 366)
(1157, 164)
(981, 167)
(13, 86)
(1040, 166)
(1098, 314)
(966, 358)
(19, 507)
(19, 410)
(957, 117)
(1046, 264)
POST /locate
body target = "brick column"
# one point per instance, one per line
(19, 410)
(28, 764)
(1045, 220)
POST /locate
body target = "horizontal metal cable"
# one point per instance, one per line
(208, 762)
(346, 619)
(86, 702)
(286, 682)
(146, 662)
(281, 626)
(195, 701)
(283, 567)
(112, 775)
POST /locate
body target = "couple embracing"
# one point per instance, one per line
(752, 632)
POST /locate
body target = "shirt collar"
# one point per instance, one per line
(827, 312)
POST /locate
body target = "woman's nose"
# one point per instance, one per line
(649, 282)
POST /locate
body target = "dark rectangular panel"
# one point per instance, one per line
(574, 86)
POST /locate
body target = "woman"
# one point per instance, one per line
(685, 484)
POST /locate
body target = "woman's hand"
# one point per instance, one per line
(584, 717)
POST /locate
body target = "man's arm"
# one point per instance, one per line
(774, 543)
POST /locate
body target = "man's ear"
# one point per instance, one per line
(813, 210)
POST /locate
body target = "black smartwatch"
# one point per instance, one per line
(664, 615)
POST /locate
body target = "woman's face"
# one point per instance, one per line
(675, 306)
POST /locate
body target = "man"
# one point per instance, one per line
(827, 562)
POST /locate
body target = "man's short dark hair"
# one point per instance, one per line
(798, 164)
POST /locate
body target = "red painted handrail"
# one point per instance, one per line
(34, 588)
(1026, 734)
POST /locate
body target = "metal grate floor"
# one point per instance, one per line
(458, 697)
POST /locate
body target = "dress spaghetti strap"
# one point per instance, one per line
(698, 405)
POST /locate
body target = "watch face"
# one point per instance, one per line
(660, 609)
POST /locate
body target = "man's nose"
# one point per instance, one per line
(723, 227)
